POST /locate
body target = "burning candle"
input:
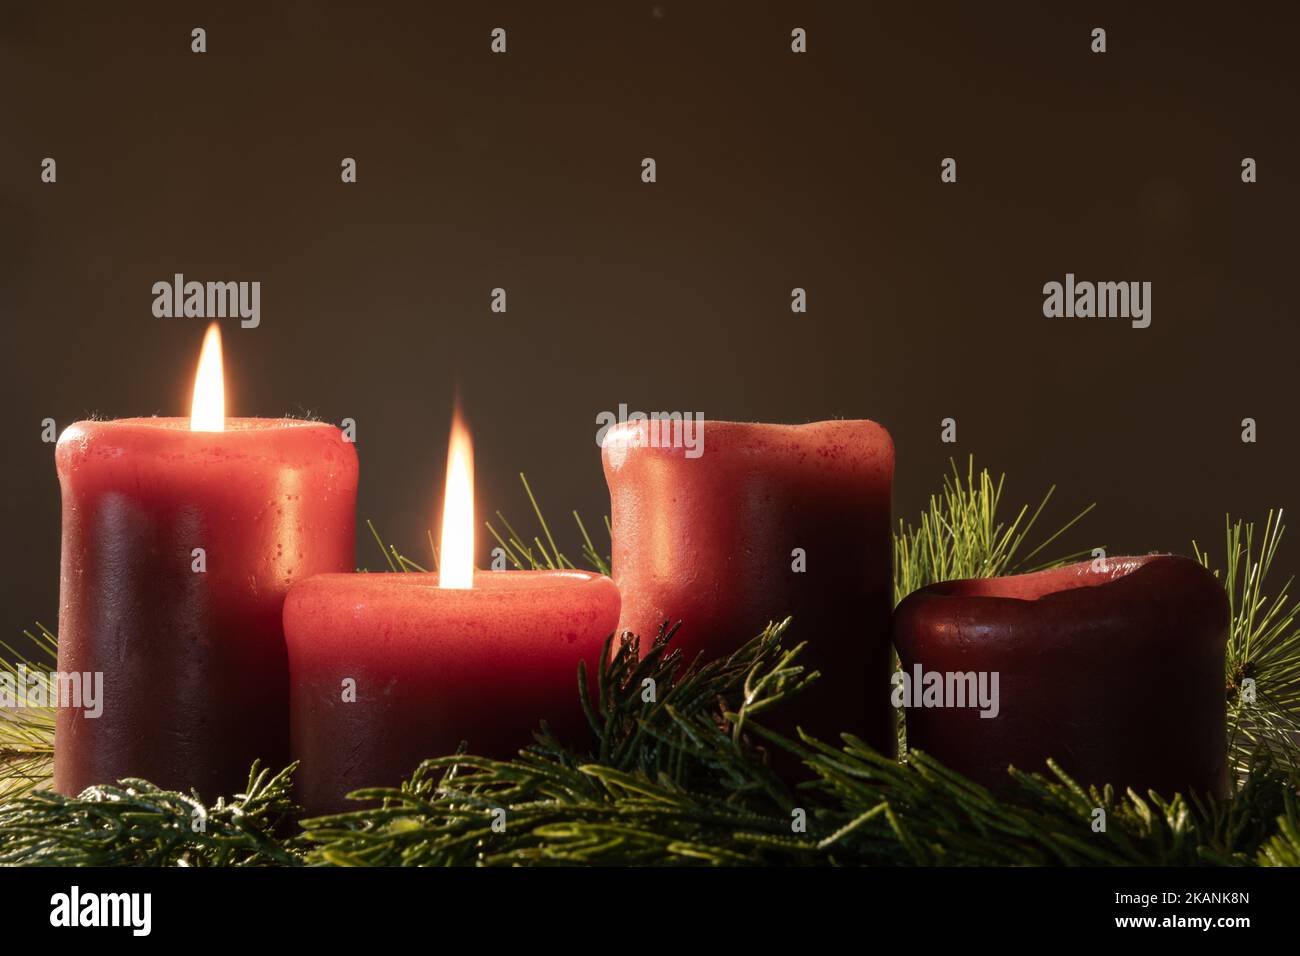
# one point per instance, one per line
(387, 670)
(1113, 668)
(180, 539)
(752, 523)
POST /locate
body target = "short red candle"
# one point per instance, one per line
(431, 667)
(194, 664)
(714, 542)
(1114, 669)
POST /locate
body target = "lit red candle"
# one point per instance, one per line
(180, 540)
(1113, 668)
(387, 670)
(763, 522)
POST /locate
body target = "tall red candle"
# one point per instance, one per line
(179, 546)
(387, 670)
(1112, 668)
(758, 523)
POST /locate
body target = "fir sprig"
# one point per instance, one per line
(1263, 656)
(960, 535)
(539, 555)
(135, 823)
(27, 731)
(1283, 848)
(715, 801)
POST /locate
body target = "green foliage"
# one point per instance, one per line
(137, 824)
(547, 556)
(27, 733)
(1283, 848)
(1263, 647)
(685, 783)
(960, 535)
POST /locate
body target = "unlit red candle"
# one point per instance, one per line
(1114, 668)
(763, 522)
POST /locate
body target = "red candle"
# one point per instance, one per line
(757, 523)
(179, 545)
(1113, 668)
(387, 670)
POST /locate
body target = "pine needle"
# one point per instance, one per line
(1263, 656)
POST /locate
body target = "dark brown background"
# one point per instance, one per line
(775, 170)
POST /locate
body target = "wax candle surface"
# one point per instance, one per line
(194, 663)
(1116, 672)
(387, 670)
(768, 521)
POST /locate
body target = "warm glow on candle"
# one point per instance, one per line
(208, 412)
(456, 558)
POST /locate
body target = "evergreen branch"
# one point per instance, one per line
(1263, 655)
(960, 535)
(136, 823)
(26, 731)
(708, 801)
(1283, 848)
(541, 556)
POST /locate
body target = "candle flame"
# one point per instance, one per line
(208, 411)
(456, 564)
